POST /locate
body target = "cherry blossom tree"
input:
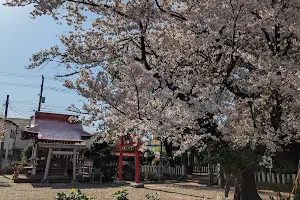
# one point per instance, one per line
(3, 127)
(197, 73)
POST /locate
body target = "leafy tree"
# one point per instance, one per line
(26, 153)
(102, 155)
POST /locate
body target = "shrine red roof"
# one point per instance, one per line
(55, 127)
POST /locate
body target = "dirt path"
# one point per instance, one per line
(171, 191)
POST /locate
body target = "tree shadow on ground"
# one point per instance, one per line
(170, 192)
(264, 189)
(76, 185)
(273, 186)
(196, 186)
(4, 185)
(5, 182)
(7, 177)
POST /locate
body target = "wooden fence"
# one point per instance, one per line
(204, 169)
(177, 171)
(267, 177)
(260, 177)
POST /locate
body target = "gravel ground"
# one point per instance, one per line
(170, 191)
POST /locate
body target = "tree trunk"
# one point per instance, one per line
(227, 188)
(169, 151)
(185, 161)
(228, 183)
(191, 164)
(222, 177)
(245, 187)
(210, 175)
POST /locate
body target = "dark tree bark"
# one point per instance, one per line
(185, 161)
(210, 175)
(191, 164)
(245, 187)
(228, 183)
(169, 151)
(227, 187)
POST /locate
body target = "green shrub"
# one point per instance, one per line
(73, 195)
(8, 168)
(26, 153)
(121, 195)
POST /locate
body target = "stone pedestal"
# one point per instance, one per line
(137, 185)
(33, 172)
(120, 182)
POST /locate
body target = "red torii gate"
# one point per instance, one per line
(121, 152)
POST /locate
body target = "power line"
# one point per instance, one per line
(22, 108)
(30, 104)
(37, 86)
(22, 75)
(13, 111)
(27, 108)
(33, 109)
(20, 113)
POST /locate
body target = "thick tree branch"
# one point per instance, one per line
(73, 73)
(143, 47)
(269, 41)
(172, 13)
(252, 114)
(236, 91)
(276, 110)
(89, 3)
(289, 43)
(137, 97)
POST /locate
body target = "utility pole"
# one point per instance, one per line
(41, 94)
(6, 106)
(2, 142)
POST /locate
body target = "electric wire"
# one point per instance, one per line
(17, 112)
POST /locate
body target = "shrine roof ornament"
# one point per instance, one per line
(73, 119)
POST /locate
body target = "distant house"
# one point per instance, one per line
(12, 143)
(19, 145)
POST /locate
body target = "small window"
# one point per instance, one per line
(12, 134)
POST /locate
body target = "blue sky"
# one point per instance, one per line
(20, 36)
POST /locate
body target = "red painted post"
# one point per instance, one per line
(121, 159)
(137, 164)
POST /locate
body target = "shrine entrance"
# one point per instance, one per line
(128, 148)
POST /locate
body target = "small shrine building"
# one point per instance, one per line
(58, 148)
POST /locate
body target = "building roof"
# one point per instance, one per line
(20, 122)
(8, 121)
(55, 127)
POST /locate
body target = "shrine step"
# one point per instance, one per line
(59, 179)
(39, 178)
